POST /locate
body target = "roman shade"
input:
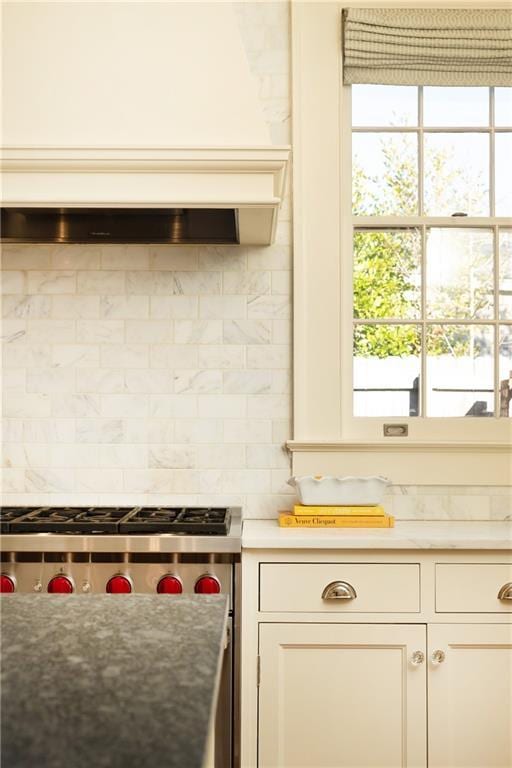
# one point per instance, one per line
(427, 46)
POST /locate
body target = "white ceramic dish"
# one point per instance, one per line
(332, 491)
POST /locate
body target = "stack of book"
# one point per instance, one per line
(341, 516)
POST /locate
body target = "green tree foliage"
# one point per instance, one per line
(387, 263)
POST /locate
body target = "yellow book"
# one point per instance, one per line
(369, 511)
(289, 520)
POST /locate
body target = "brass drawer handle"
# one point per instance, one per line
(505, 592)
(339, 590)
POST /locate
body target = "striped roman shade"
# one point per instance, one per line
(427, 46)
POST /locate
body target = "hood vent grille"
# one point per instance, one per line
(173, 226)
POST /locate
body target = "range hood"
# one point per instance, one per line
(134, 122)
(173, 226)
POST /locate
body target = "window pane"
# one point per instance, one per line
(456, 174)
(503, 107)
(506, 274)
(457, 107)
(505, 388)
(503, 174)
(386, 370)
(387, 274)
(383, 105)
(460, 273)
(384, 174)
(460, 370)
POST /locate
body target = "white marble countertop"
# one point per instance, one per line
(266, 534)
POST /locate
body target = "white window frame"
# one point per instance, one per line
(325, 441)
(420, 428)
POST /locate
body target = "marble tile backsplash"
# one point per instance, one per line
(147, 374)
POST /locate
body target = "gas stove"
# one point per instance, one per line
(98, 520)
(117, 529)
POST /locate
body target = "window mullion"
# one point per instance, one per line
(420, 151)
(496, 287)
(423, 349)
(492, 156)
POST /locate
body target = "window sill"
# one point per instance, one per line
(407, 463)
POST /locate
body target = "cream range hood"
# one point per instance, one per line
(134, 122)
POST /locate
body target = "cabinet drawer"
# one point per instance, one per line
(361, 587)
(472, 587)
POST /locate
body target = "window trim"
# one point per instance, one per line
(321, 443)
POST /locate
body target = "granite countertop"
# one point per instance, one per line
(460, 534)
(109, 680)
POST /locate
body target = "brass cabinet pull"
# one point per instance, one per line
(505, 592)
(339, 590)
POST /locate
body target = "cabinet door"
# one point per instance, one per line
(470, 695)
(342, 696)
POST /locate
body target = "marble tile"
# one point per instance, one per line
(76, 256)
(21, 306)
(100, 331)
(76, 405)
(270, 356)
(171, 356)
(246, 283)
(105, 430)
(221, 356)
(174, 307)
(76, 356)
(247, 331)
(172, 457)
(48, 380)
(124, 307)
(198, 431)
(13, 281)
(120, 257)
(22, 256)
(124, 356)
(223, 307)
(51, 281)
(75, 307)
(220, 456)
(100, 282)
(247, 431)
(225, 406)
(250, 382)
(197, 381)
(149, 332)
(198, 331)
(269, 307)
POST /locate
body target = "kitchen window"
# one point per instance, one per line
(431, 271)
(402, 305)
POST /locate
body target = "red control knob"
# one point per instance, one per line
(169, 585)
(207, 585)
(7, 584)
(60, 584)
(119, 585)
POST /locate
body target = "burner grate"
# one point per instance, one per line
(198, 520)
(10, 514)
(71, 520)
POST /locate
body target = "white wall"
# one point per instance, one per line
(126, 74)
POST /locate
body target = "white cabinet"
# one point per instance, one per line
(341, 695)
(470, 696)
(408, 665)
